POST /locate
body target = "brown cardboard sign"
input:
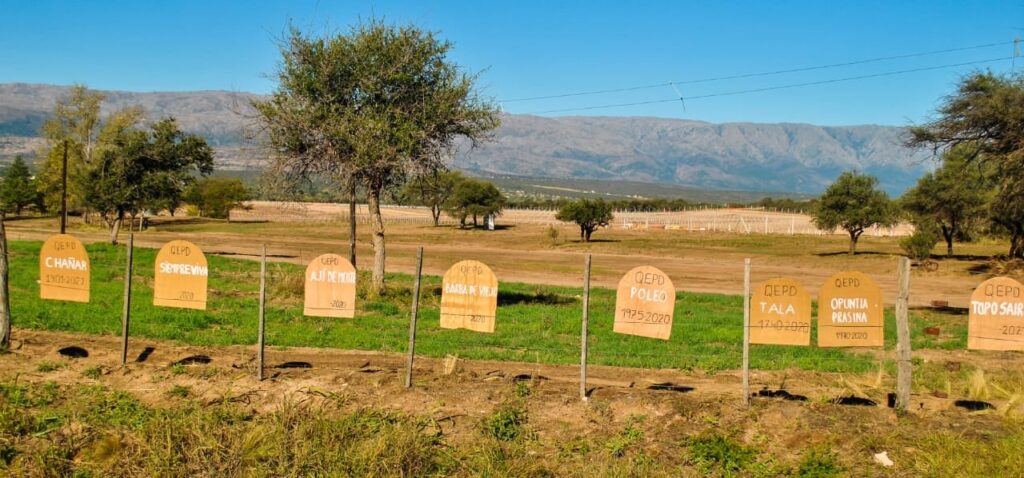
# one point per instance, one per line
(996, 320)
(469, 297)
(181, 275)
(850, 312)
(330, 287)
(64, 269)
(780, 313)
(645, 303)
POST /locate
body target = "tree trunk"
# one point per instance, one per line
(854, 235)
(1017, 243)
(5, 298)
(115, 227)
(377, 236)
(948, 233)
(589, 232)
(436, 211)
(474, 222)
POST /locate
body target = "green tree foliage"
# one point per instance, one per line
(985, 117)
(854, 203)
(371, 105)
(588, 214)
(18, 189)
(953, 197)
(75, 124)
(432, 189)
(216, 197)
(473, 198)
(138, 169)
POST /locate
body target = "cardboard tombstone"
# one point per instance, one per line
(181, 276)
(645, 303)
(330, 287)
(996, 320)
(64, 269)
(469, 298)
(850, 312)
(780, 313)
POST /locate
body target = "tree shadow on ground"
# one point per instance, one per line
(540, 297)
(595, 241)
(859, 253)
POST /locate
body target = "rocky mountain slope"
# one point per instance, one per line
(797, 158)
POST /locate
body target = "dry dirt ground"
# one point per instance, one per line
(458, 394)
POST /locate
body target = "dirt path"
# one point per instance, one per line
(463, 387)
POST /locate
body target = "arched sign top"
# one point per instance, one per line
(64, 269)
(181, 276)
(330, 287)
(780, 313)
(469, 297)
(850, 312)
(996, 320)
(645, 303)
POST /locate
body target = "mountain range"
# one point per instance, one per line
(759, 157)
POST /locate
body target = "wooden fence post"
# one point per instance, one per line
(126, 312)
(415, 315)
(746, 332)
(904, 370)
(262, 313)
(584, 333)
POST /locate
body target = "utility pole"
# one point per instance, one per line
(64, 190)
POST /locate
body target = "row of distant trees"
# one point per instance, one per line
(118, 166)
(978, 187)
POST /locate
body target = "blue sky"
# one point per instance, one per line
(526, 49)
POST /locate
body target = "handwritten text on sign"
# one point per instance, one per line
(330, 287)
(780, 313)
(64, 269)
(850, 312)
(644, 303)
(996, 320)
(469, 297)
(181, 276)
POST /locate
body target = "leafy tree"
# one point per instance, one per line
(854, 203)
(953, 197)
(75, 124)
(370, 106)
(433, 189)
(474, 198)
(18, 189)
(138, 168)
(216, 197)
(588, 214)
(984, 118)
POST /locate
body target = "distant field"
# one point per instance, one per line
(699, 219)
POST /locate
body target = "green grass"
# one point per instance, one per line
(48, 429)
(534, 323)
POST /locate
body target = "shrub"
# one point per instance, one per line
(711, 451)
(918, 246)
(506, 423)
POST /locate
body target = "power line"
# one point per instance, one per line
(753, 75)
(771, 88)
